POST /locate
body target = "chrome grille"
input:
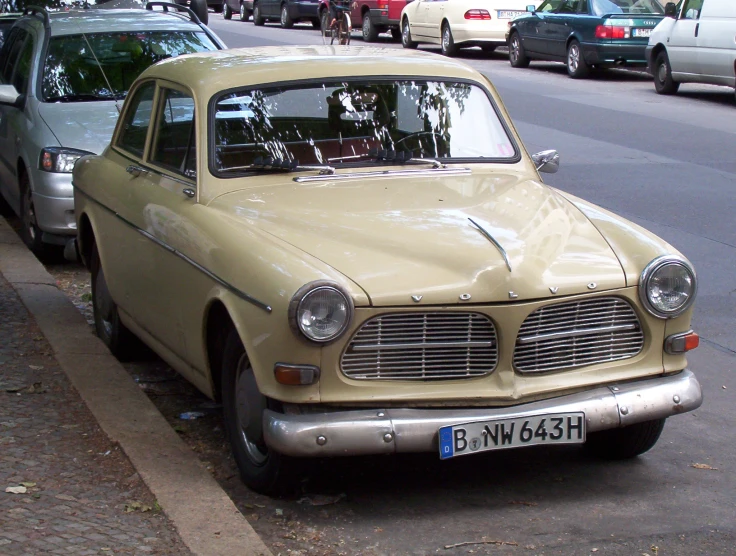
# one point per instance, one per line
(422, 346)
(578, 333)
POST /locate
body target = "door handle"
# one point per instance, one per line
(136, 171)
(697, 27)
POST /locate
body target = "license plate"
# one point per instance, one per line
(509, 14)
(642, 33)
(498, 434)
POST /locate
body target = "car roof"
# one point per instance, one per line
(106, 20)
(208, 73)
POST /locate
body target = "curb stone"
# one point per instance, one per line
(204, 516)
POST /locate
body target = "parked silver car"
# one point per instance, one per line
(62, 77)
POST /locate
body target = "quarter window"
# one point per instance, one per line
(137, 120)
(692, 9)
(175, 145)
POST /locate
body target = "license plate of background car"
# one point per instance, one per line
(509, 14)
(499, 434)
(642, 33)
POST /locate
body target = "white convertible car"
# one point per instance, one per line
(455, 24)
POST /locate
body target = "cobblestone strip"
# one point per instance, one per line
(81, 494)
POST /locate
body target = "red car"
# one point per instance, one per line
(374, 16)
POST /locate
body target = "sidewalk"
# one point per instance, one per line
(83, 495)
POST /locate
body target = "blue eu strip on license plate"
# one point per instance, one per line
(499, 434)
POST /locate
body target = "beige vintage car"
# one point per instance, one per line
(351, 248)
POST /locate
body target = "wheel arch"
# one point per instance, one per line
(659, 47)
(364, 9)
(573, 37)
(445, 22)
(85, 240)
(217, 325)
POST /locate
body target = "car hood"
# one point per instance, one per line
(399, 237)
(81, 125)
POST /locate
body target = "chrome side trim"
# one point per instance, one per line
(385, 431)
(576, 332)
(490, 238)
(385, 173)
(241, 294)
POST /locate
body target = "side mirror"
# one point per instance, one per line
(547, 161)
(670, 9)
(531, 8)
(10, 97)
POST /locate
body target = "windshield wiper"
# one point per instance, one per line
(269, 164)
(389, 156)
(80, 97)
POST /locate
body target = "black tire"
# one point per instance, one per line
(517, 54)
(406, 41)
(396, 33)
(488, 47)
(324, 27)
(261, 469)
(577, 67)
(199, 7)
(227, 11)
(449, 48)
(663, 82)
(626, 442)
(121, 342)
(286, 21)
(257, 16)
(370, 33)
(30, 233)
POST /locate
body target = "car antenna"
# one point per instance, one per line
(92, 50)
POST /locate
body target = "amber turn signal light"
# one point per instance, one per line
(680, 343)
(295, 375)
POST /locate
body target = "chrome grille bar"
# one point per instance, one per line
(422, 346)
(576, 334)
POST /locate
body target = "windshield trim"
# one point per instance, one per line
(212, 105)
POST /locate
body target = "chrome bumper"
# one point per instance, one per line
(385, 431)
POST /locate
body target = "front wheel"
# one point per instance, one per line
(663, 82)
(261, 469)
(286, 21)
(517, 54)
(626, 442)
(406, 41)
(577, 67)
(244, 13)
(370, 33)
(227, 11)
(30, 233)
(448, 42)
(257, 16)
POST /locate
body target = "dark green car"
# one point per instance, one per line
(584, 33)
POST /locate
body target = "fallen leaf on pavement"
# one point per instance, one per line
(484, 541)
(704, 466)
(321, 499)
(136, 506)
(35, 367)
(16, 490)
(28, 485)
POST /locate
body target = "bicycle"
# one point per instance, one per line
(340, 29)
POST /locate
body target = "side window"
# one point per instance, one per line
(23, 67)
(692, 9)
(137, 120)
(549, 6)
(174, 146)
(583, 7)
(15, 44)
(569, 7)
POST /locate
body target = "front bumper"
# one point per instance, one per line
(385, 431)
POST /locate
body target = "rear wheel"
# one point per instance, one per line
(663, 82)
(199, 7)
(261, 468)
(448, 42)
(286, 21)
(325, 30)
(517, 54)
(341, 34)
(370, 33)
(406, 41)
(30, 233)
(577, 67)
(244, 13)
(257, 16)
(626, 442)
(227, 11)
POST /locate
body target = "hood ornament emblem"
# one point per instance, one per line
(416, 298)
(553, 290)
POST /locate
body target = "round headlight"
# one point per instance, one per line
(321, 312)
(667, 286)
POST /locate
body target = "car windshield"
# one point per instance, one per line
(72, 72)
(350, 122)
(605, 7)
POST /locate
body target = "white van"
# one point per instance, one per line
(696, 43)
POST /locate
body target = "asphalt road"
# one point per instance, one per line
(669, 164)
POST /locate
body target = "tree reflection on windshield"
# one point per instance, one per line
(72, 72)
